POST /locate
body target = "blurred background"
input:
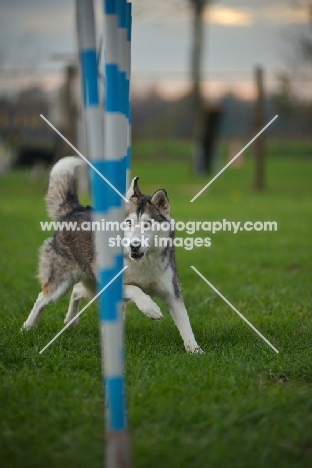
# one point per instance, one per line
(207, 72)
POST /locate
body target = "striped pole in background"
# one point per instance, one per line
(109, 156)
(88, 64)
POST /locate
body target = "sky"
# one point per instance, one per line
(239, 34)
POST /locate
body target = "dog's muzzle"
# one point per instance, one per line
(135, 246)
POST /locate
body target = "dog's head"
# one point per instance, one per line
(147, 217)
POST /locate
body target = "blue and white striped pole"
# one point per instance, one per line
(128, 76)
(89, 73)
(109, 157)
(115, 150)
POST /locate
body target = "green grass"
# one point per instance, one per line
(238, 405)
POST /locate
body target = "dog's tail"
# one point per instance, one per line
(61, 197)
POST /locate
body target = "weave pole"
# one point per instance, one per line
(115, 150)
(128, 76)
(109, 156)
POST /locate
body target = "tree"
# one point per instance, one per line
(205, 121)
(284, 98)
(305, 40)
(198, 8)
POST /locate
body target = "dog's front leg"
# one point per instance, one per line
(144, 302)
(181, 319)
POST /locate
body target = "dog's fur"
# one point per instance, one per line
(67, 258)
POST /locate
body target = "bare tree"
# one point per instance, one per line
(198, 8)
(305, 40)
(173, 8)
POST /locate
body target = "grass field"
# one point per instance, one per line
(239, 405)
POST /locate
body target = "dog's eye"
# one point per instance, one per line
(128, 222)
(146, 224)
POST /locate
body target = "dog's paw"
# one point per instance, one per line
(150, 308)
(73, 324)
(28, 326)
(194, 349)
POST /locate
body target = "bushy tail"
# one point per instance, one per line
(61, 197)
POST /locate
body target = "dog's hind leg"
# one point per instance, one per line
(55, 277)
(32, 319)
(51, 292)
(79, 292)
(124, 310)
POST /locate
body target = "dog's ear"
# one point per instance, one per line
(133, 190)
(161, 201)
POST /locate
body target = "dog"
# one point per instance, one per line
(67, 259)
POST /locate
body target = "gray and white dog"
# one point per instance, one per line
(67, 258)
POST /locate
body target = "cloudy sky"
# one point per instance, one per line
(238, 35)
